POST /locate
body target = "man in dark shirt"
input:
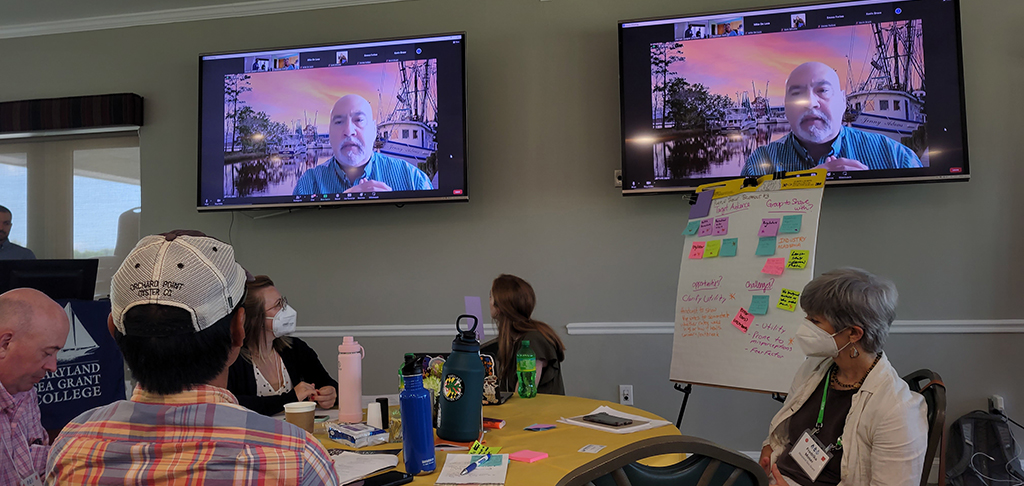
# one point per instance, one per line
(8, 250)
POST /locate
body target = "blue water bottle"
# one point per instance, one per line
(462, 388)
(417, 432)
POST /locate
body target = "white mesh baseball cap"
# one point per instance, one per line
(184, 269)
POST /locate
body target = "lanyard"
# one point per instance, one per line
(821, 413)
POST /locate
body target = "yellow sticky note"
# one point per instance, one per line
(711, 248)
(798, 259)
(788, 300)
(478, 448)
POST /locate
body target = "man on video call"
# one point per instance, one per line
(814, 108)
(355, 167)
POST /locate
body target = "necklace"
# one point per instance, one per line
(835, 383)
(272, 363)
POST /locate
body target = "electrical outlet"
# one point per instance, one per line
(625, 394)
(995, 404)
(617, 177)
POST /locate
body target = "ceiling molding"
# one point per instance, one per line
(191, 14)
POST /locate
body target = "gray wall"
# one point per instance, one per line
(543, 126)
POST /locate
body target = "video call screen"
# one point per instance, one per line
(369, 122)
(871, 90)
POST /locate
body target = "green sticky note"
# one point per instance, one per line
(728, 247)
(692, 227)
(791, 223)
(798, 259)
(712, 248)
(788, 300)
(765, 246)
(759, 305)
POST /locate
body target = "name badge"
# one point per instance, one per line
(31, 481)
(810, 455)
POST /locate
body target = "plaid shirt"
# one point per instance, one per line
(200, 436)
(22, 437)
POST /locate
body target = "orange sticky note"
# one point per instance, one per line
(697, 250)
(743, 320)
(527, 456)
(774, 266)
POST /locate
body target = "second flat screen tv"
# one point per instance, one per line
(367, 122)
(874, 88)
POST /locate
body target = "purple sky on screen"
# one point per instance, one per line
(727, 65)
(284, 95)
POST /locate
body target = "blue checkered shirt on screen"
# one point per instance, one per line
(329, 178)
(871, 149)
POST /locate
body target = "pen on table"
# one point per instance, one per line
(474, 464)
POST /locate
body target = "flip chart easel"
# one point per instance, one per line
(743, 267)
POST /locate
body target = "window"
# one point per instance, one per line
(74, 197)
(14, 193)
(896, 105)
(414, 132)
(857, 106)
(405, 133)
(883, 105)
(106, 185)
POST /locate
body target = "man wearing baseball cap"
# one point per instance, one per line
(176, 314)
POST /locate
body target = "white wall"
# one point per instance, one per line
(543, 127)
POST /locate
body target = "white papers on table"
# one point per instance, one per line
(491, 472)
(639, 423)
(351, 466)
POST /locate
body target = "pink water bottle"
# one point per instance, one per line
(350, 381)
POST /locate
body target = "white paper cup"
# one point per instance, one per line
(373, 415)
(300, 414)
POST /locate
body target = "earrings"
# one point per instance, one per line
(854, 352)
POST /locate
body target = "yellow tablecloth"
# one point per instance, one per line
(562, 444)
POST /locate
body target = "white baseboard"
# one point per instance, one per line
(970, 326)
(976, 326)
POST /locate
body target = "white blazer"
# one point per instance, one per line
(886, 431)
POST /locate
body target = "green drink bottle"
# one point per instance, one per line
(526, 370)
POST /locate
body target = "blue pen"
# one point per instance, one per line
(474, 464)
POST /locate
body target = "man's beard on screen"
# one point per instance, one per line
(351, 153)
(815, 133)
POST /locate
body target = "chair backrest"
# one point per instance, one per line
(929, 384)
(709, 464)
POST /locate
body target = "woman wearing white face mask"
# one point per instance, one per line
(846, 399)
(273, 368)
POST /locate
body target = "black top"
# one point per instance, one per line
(302, 364)
(837, 407)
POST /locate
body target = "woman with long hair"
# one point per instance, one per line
(273, 368)
(512, 303)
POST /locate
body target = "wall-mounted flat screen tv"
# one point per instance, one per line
(872, 90)
(380, 121)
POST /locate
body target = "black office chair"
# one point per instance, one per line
(929, 384)
(709, 464)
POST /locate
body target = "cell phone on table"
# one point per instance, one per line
(390, 478)
(605, 419)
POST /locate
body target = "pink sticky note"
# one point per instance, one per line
(774, 266)
(527, 456)
(697, 251)
(743, 320)
(769, 227)
(705, 227)
(721, 226)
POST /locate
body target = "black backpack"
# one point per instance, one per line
(981, 452)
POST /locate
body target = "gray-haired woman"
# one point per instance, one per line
(849, 418)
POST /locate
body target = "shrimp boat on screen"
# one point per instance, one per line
(409, 131)
(890, 100)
